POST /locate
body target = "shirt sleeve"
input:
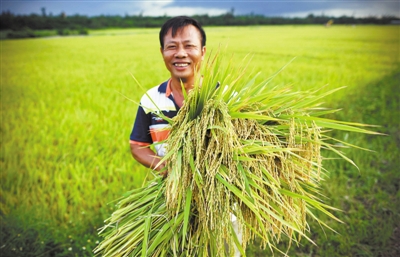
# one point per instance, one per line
(140, 133)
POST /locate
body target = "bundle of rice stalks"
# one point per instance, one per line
(237, 151)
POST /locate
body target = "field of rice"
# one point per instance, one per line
(68, 105)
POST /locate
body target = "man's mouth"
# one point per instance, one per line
(181, 64)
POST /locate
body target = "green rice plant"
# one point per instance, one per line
(239, 148)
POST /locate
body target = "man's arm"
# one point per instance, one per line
(148, 158)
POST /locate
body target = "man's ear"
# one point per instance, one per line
(161, 50)
(203, 52)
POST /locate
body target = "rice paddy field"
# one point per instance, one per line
(68, 105)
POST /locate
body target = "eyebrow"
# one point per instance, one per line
(175, 41)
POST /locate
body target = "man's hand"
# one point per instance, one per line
(162, 170)
(146, 156)
(164, 173)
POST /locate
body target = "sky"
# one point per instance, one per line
(283, 8)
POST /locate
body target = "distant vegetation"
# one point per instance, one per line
(23, 26)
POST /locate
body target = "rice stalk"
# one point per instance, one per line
(235, 148)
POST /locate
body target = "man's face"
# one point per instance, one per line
(183, 53)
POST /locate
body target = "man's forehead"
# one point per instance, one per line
(188, 30)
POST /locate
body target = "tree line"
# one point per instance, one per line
(80, 23)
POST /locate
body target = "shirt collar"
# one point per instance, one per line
(169, 89)
(165, 88)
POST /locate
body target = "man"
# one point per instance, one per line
(183, 46)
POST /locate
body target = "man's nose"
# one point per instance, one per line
(180, 52)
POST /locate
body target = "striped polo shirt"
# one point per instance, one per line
(149, 128)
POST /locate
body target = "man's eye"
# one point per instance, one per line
(171, 47)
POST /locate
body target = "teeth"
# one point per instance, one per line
(181, 64)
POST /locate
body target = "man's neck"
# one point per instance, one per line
(176, 85)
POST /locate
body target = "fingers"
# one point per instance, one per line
(164, 173)
(162, 170)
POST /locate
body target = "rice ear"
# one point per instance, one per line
(236, 147)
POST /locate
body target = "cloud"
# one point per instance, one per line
(287, 8)
(104, 7)
(353, 8)
(150, 7)
(175, 11)
(171, 8)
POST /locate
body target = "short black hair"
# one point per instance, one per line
(180, 22)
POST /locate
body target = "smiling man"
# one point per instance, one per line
(183, 46)
(182, 41)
